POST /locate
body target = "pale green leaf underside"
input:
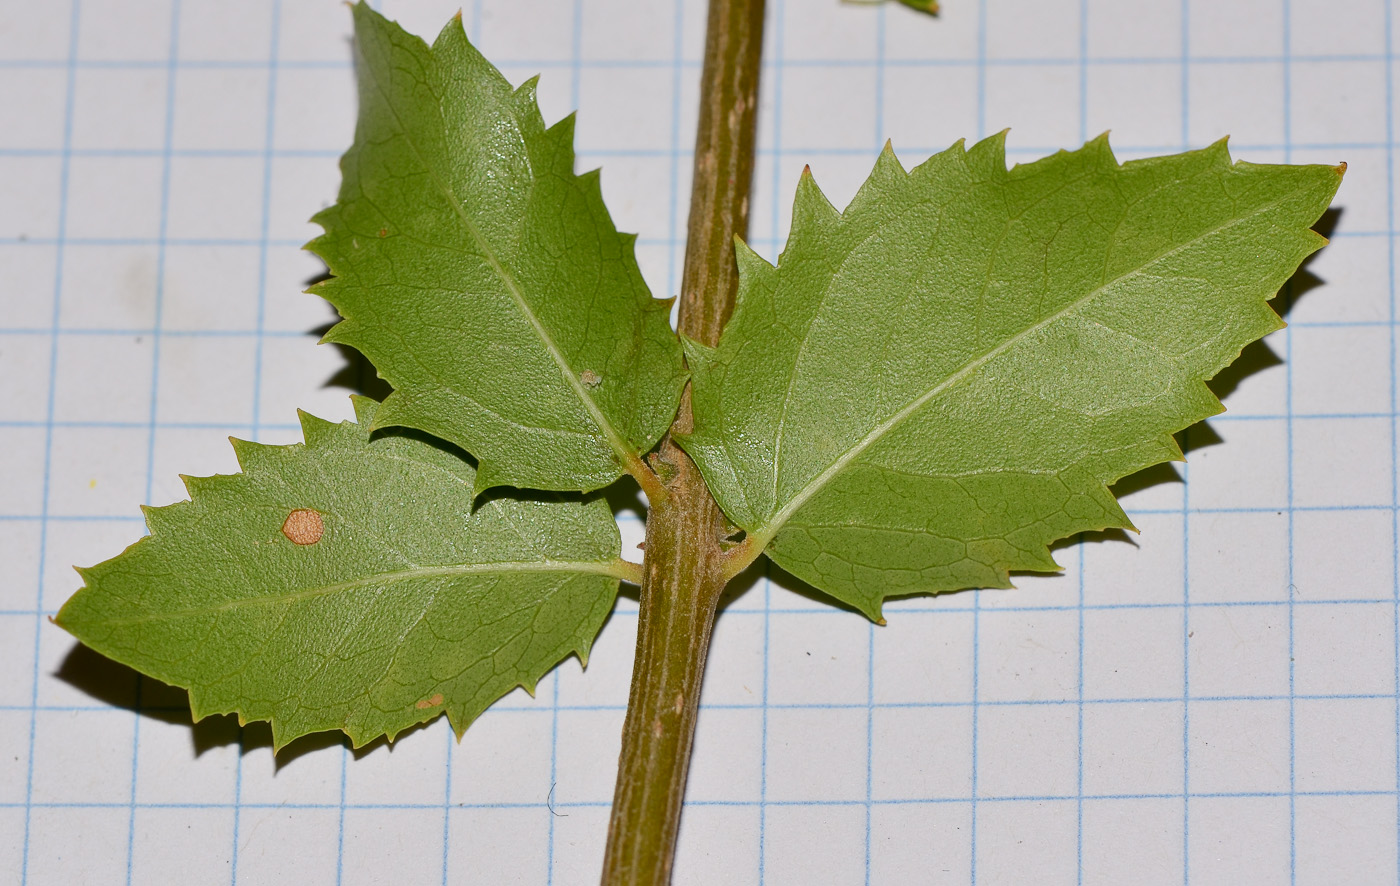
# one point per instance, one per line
(937, 383)
(485, 281)
(410, 604)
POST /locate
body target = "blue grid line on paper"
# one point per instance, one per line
(74, 13)
(862, 706)
(775, 28)
(152, 414)
(679, 151)
(304, 334)
(1072, 61)
(981, 69)
(673, 239)
(1185, 668)
(879, 116)
(1289, 475)
(919, 613)
(1394, 404)
(606, 803)
(1079, 566)
(1184, 85)
(756, 241)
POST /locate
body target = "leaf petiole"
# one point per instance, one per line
(742, 555)
(626, 570)
(651, 484)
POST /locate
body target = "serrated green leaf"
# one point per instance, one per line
(486, 281)
(385, 601)
(935, 384)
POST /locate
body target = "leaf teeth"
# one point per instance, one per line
(249, 454)
(592, 182)
(987, 158)
(884, 181)
(195, 486)
(163, 519)
(887, 163)
(526, 96)
(754, 269)
(314, 430)
(812, 212)
(365, 407)
(563, 132)
(342, 333)
(697, 354)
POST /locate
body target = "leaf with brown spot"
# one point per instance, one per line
(348, 582)
(303, 527)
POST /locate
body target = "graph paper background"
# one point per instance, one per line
(1214, 701)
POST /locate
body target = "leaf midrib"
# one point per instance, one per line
(607, 568)
(615, 442)
(780, 517)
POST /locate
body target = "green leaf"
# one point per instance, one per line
(935, 384)
(928, 6)
(486, 281)
(347, 583)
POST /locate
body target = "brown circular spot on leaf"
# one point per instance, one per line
(303, 527)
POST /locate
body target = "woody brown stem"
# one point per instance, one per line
(684, 570)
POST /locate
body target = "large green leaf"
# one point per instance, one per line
(933, 385)
(485, 280)
(348, 583)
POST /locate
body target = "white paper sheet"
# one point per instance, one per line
(1213, 702)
